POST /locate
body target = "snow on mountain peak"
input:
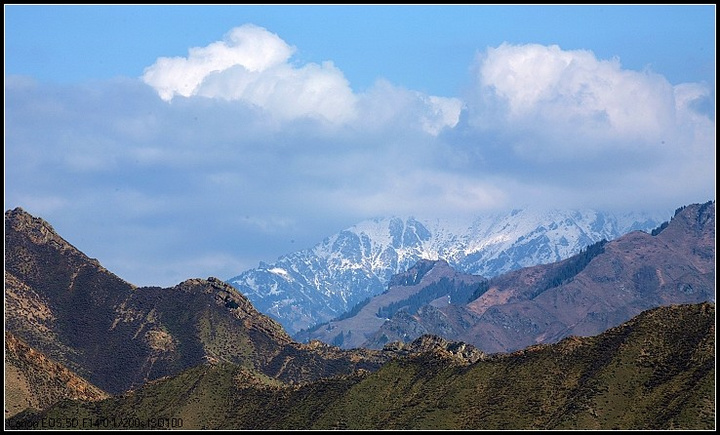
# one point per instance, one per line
(315, 285)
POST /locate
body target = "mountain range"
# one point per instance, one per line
(656, 371)
(313, 286)
(605, 284)
(71, 311)
(84, 346)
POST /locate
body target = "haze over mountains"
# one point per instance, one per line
(316, 285)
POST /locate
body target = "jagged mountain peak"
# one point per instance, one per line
(313, 286)
(39, 234)
(695, 217)
(37, 229)
(602, 286)
(599, 286)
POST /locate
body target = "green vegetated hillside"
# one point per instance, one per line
(656, 371)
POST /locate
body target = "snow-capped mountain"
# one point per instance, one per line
(315, 285)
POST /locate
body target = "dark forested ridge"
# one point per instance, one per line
(656, 371)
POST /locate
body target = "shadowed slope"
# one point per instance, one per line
(119, 336)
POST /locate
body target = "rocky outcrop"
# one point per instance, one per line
(458, 352)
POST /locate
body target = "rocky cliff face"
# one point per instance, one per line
(314, 286)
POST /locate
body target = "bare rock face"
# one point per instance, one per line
(458, 352)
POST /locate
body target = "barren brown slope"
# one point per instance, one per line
(118, 336)
(32, 380)
(635, 272)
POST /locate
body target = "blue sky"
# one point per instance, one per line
(75, 43)
(172, 142)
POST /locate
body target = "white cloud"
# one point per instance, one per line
(318, 91)
(252, 64)
(251, 47)
(560, 99)
(442, 112)
(385, 105)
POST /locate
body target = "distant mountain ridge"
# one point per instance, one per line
(604, 285)
(428, 282)
(316, 285)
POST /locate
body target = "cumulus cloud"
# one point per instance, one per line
(567, 122)
(254, 65)
(251, 64)
(564, 99)
(251, 47)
